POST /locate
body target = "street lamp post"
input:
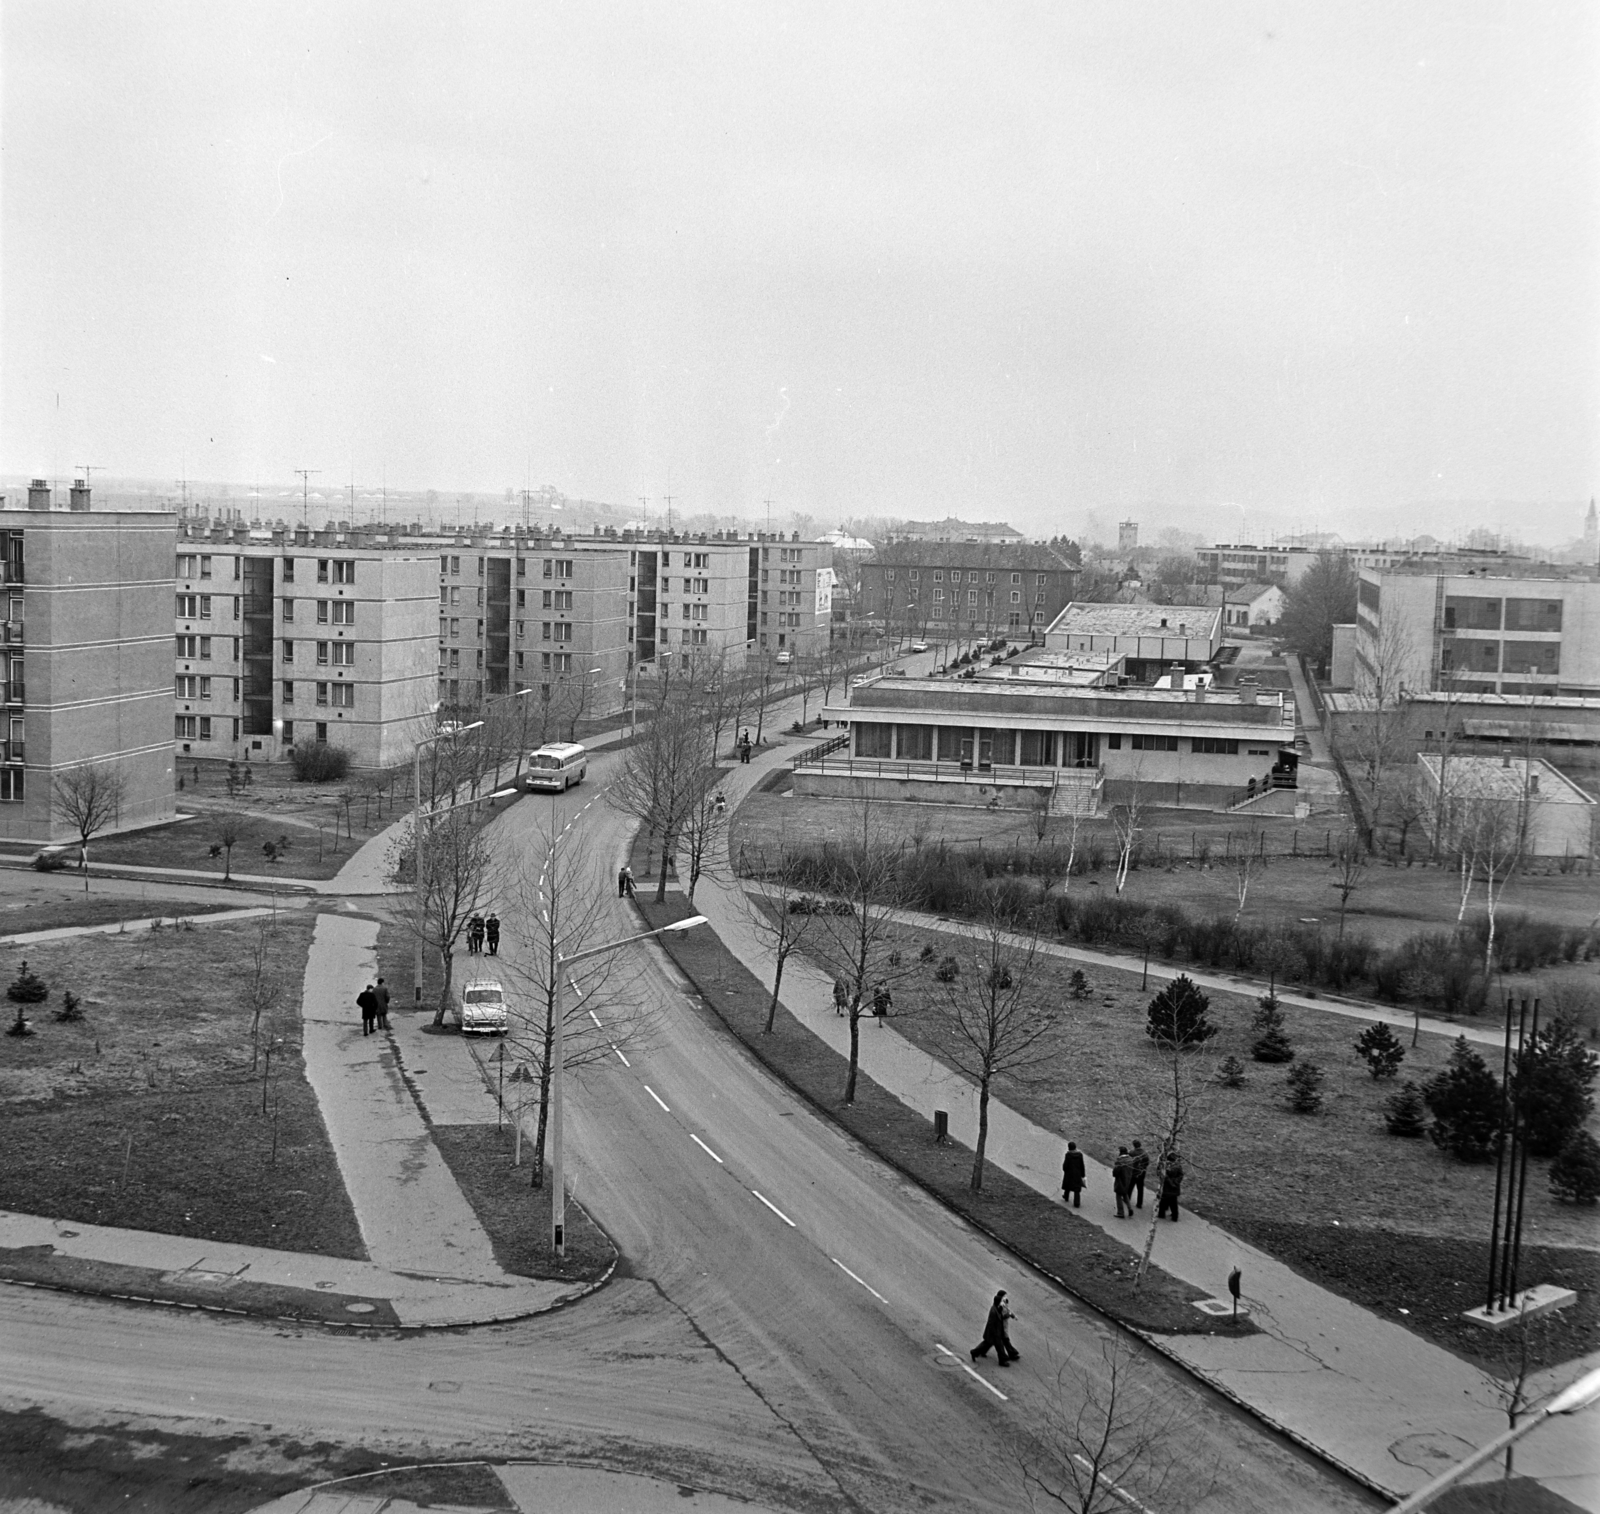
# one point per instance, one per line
(558, 1058)
(417, 888)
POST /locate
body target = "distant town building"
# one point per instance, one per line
(1236, 563)
(952, 530)
(1128, 536)
(88, 659)
(918, 589)
(1253, 604)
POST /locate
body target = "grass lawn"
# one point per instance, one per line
(1388, 1222)
(53, 910)
(147, 1113)
(314, 850)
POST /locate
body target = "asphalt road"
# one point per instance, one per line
(791, 1326)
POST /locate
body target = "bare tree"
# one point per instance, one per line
(1112, 1440)
(857, 945)
(1350, 867)
(1375, 737)
(260, 990)
(561, 902)
(833, 667)
(226, 828)
(994, 1019)
(1247, 866)
(663, 773)
(705, 823)
(458, 876)
(770, 906)
(1487, 828)
(89, 798)
(1127, 821)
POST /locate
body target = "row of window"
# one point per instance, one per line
(913, 575)
(330, 570)
(943, 743)
(196, 728)
(337, 612)
(195, 686)
(1500, 656)
(339, 654)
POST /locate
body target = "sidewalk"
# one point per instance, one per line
(1363, 1392)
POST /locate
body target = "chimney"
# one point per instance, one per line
(38, 494)
(1199, 693)
(1247, 693)
(78, 499)
(1533, 783)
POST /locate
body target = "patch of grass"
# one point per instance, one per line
(57, 912)
(314, 849)
(514, 1213)
(147, 1113)
(1087, 1262)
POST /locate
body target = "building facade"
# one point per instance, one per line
(88, 646)
(976, 591)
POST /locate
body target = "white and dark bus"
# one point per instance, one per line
(555, 767)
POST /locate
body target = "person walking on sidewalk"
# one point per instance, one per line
(841, 996)
(367, 1003)
(381, 993)
(491, 931)
(474, 935)
(744, 746)
(624, 882)
(882, 1001)
(1141, 1165)
(1072, 1176)
(1122, 1182)
(1171, 1186)
(995, 1333)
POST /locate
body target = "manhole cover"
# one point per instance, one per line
(1218, 1306)
(360, 1308)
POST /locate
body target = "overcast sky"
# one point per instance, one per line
(1221, 263)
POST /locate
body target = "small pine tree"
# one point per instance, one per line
(1464, 1100)
(1177, 1015)
(1405, 1113)
(1575, 1173)
(1231, 1073)
(71, 1008)
(28, 988)
(1551, 1084)
(947, 971)
(1077, 984)
(1271, 1044)
(1382, 1049)
(1305, 1088)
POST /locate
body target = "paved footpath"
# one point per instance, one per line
(1362, 1390)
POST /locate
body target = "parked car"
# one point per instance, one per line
(480, 1008)
(919, 646)
(784, 658)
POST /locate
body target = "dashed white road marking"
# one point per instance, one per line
(975, 1376)
(848, 1273)
(596, 1018)
(625, 1062)
(774, 1208)
(1122, 1493)
(709, 1152)
(654, 1095)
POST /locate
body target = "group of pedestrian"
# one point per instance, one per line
(882, 999)
(481, 932)
(996, 1333)
(1128, 1174)
(373, 1002)
(624, 882)
(744, 746)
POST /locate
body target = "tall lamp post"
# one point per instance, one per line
(418, 889)
(558, 1060)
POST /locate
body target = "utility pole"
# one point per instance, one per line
(644, 511)
(768, 504)
(304, 475)
(668, 499)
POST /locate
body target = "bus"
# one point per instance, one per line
(555, 767)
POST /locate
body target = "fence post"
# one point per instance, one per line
(1294, 843)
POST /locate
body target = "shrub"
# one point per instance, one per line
(318, 762)
(1405, 1113)
(1552, 1080)
(1271, 1044)
(1177, 1015)
(1078, 985)
(1231, 1073)
(1382, 1050)
(1305, 1088)
(49, 862)
(926, 954)
(1575, 1173)
(947, 971)
(28, 988)
(71, 1007)
(1465, 1102)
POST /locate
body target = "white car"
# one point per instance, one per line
(784, 658)
(480, 1008)
(919, 646)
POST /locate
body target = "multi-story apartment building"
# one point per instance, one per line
(959, 589)
(1529, 637)
(88, 659)
(291, 637)
(1238, 563)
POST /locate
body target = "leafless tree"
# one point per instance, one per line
(1112, 1440)
(1247, 866)
(1350, 867)
(89, 798)
(260, 989)
(226, 828)
(561, 902)
(705, 824)
(1127, 821)
(833, 667)
(994, 1018)
(663, 773)
(777, 884)
(857, 946)
(1375, 736)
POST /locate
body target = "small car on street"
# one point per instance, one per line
(480, 1008)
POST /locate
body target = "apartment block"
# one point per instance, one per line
(284, 638)
(88, 659)
(966, 589)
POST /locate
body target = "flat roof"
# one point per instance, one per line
(1270, 711)
(1496, 778)
(1084, 619)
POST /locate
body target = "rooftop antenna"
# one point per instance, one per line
(768, 504)
(384, 488)
(352, 493)
(644, 511)
(668, 499)
(304, 475)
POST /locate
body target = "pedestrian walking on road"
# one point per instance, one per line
(367, 1003)
(995, 1333)
(624, 882)
(744, 746)
(1171, 1186)
(1072, 1176)
(1122, 1182)
(882, 999)
(491, 931)
(1141, 1165)
(381, 993)
(841, 996)
(474, 935)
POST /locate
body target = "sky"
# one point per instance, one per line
(1238, 267)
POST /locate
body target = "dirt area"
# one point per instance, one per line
(148, 1112)
(1322, 1192)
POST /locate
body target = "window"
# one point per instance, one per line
(697, 586)
(186, 565)
(444, 595)
(194, 646)
(914, 743)
(322, 570)
(563, 567)
(1114, 742)
(1016, 578)
(561, 662)
(874, 738)
(938, 593)
(288, 691)
(1041, 580)
(190, 686)
(522, 629)
(1155, 743)
(544, 631)
(455, 567)
(698, 559)
(1016, 596)
(522, 599)
(522, 567)
(194, 607)
(322, 654)
(288, 733)
(480, 599)
(1038, 599)
(938, 575)
(344, 654)
(1533, 614)
(562, 631)
(455, 597)
(1038, 749)
(1532, 657)
(972, 596)
(288, 651)
(888, 573)
(322, 693)
(520, 656)
(344, 612)
(193, 727)
(1468, 612)
(695, 612)
(322, 612)
(344, 571)
(480, 567)
(455, 627)
(288, 610)
(343, 695)
(563, 598)
(1213, 746)
(912, 575)
(288, 570)
(444, 565)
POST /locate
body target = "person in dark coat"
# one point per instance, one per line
(995, 1333)
(1072, 1176)
(1141, 1165)
(475, 935)
(624, 881)
(841, 996)
(744, 746)
(1122, 1182)
(491, 931)
(1171, 1186)
(882, 1000)
(367, 1003)
(380, 992)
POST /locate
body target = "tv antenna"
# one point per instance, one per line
(304, 475)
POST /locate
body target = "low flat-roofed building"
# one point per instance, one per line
(1038, 665)
(1509, 804)
(1150, 637)
(997, 741)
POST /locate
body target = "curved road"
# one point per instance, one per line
(791, 1324)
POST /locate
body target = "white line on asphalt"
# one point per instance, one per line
(596, 1018)
(625, 1062)
(1122, 1493)
(654, 1095)
(777, 1211)
(975, 1376)
(708, 1151)
(848, 1273)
